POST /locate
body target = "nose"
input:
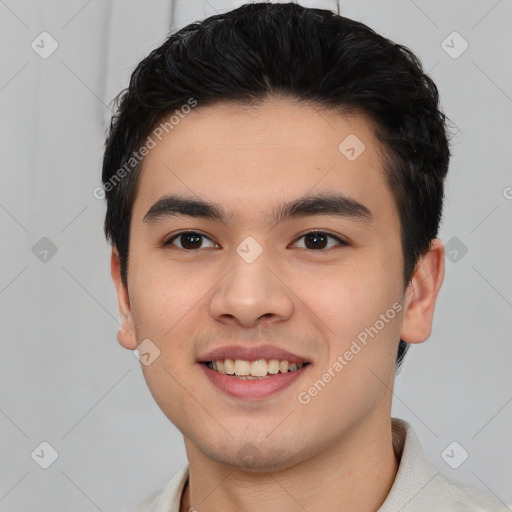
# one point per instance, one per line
(251, 294)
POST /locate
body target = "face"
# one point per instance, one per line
(319, 284)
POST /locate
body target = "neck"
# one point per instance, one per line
(356, 473)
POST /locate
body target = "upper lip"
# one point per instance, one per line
(251, 353)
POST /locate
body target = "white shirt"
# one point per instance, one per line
(418, 486)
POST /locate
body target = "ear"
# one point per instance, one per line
(126, 334)
(421, 295)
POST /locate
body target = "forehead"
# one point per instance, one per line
(250, 158)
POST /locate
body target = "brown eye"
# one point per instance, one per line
(316, 240)
(189, 240)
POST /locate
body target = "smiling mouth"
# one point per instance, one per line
(253, 370)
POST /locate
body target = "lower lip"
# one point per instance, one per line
(252, 389)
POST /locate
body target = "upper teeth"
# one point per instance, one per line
(258, 368)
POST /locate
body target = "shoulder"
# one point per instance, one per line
(148, 504)
(448, 495)
(420, 487)
(165, 498)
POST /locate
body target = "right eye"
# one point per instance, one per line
(189, 240)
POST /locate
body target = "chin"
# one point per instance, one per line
(251, 458)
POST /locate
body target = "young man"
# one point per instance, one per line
(274, 184)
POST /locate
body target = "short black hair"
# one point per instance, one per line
(263, 50)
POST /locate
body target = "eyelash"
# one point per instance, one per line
(169, 241)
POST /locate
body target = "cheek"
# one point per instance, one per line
(164, 311)
(346, 298)
(163, 297)
(167, 387)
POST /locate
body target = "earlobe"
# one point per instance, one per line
(126, 334)
(421, 295)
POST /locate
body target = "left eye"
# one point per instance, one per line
(191, 240)
(314, 239)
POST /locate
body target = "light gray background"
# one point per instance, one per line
(64, 378)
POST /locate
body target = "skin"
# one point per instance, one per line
(334, 453)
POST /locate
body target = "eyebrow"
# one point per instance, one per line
(335, 204)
